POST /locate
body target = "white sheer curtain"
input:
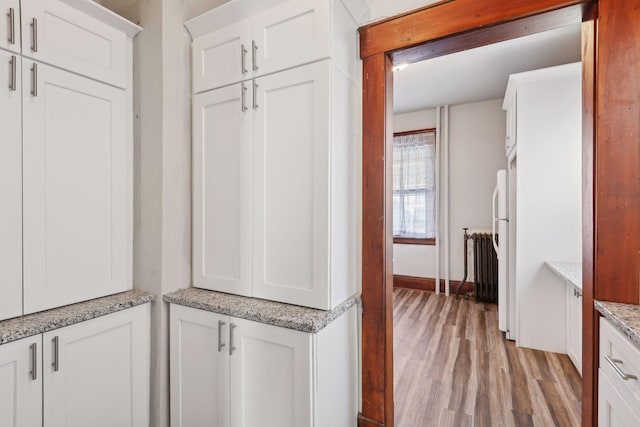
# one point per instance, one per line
(414, 180)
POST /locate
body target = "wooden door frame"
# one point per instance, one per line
(438, 29)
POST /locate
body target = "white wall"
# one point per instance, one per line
(386, 8)
(476, 153)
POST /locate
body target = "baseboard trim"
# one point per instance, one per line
(429, 284)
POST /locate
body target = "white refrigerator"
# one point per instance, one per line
(500, 228)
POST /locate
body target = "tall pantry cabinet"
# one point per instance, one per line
(276, 130)
(66, 161)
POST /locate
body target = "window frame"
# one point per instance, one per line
(430, 241)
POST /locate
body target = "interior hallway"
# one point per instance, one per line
(453, 368)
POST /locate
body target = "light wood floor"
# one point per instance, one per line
(453, 368)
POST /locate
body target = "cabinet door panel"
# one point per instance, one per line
(219, 57)
(70, 39)
(295, 33)
(77, 201)
(10, 37)
(199, 368)
(270, 376)
(613, 410)
(10, 186)
(574, 326)
(20, 388)
(291, 184)
(103, 372)
(222, 190)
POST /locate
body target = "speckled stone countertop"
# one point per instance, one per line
(625, 317)
(571, 271)
(38, 323)
(270, 312)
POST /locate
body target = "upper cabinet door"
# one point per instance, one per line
(222, 57)
(77, 167)
(222, 189)
(291, 144)
(21, 383)
(58, 34)
(96, 373)
(271, 376)
(199, 368)
(10, 185)
(295, 33)
(10, 25)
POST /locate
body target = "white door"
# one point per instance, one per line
(96, 373)
(292, 34)
(77, 201)
(10, 25)
(56, 33)
(574, 326)
(291, 131)
(21, 383)
(222, 189)
(10, 185)
(613, 410)
(271, 376)
(199, 368)
(222, 57)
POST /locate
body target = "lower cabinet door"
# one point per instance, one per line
(199, 368)
(613, 411)
(96, 373)
(271, 376)
(21, 383)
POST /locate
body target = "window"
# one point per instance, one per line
(414, 187)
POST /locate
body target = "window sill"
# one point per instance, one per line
(414, 241)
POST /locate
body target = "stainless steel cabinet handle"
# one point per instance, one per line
(231, 346)
(14, 76)
(34, 34)
(34, 79)
(244, 97)
(56, 354)
(578, 293)
(12, 26)
(255, 95)
(254, 55)
(34, 361)
(243, 59)
(220, 343)
(614, 365)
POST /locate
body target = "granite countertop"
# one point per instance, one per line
(625, 317)
(275, 313)
(571, 271)
(45, 321)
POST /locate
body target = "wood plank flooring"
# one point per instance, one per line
(452, 367)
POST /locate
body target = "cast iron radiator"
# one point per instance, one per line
(485, 267)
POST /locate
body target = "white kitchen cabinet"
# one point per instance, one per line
(256, 38)
(510, 140)
(574, 325)
(76, 188)
(10, 36)
(240, 373)
(199, 368)
(63, 34)
(21, 383)
(96, 373)
(222, 189)
(10, 186)
(618, 388)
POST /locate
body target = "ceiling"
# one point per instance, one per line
(481, 74)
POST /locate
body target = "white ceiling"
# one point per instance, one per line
(481, 74)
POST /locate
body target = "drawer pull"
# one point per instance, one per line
(231, 346)
(614, 364)
(56, 354)
(220, 343)
(34, 361)
(34, 34)
(12, 26)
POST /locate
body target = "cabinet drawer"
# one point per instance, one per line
(58, 34)
(617, 351)
(613, 409)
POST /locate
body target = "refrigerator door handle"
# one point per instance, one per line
(493, 220)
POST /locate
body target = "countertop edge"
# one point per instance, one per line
(316, 320)
(605, 308)
(551, 265)
(26, 326)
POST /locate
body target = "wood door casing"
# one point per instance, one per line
(610, 212)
